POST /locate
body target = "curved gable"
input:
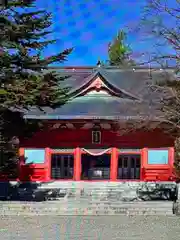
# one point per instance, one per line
(96, 83)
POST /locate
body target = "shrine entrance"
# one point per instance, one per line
(95, 167)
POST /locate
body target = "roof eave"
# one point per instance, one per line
(71, 117)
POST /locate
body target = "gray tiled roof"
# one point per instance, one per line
(136, 83)
(96, 108)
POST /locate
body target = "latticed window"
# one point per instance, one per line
(129, 167)
(62, 166)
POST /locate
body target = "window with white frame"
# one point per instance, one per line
(158, 156)
(34, 156)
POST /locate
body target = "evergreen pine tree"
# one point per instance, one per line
(119, 52)
(23, 82)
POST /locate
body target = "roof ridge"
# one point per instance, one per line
(107, 67)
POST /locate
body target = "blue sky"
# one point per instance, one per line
(89, 25)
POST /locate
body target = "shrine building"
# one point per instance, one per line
(86, 138)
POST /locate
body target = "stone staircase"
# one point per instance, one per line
(97, 198)
(94, 208)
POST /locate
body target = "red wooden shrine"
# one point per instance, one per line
(81, 142)
(48, 141)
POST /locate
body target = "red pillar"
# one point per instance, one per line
(171, 156)
(171, 160)
(21, 155)
(21, 162)
(144, 163)
(47, 164)
(77, 164)
(114, 164)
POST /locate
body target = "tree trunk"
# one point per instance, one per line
(177, 158)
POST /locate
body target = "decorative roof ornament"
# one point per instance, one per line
(98, 84)
(99, 63)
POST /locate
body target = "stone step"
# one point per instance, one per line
(79, 205)
(139, 203)
(102, 204)
(71, 207)
(107, 202)
(104, 184)
(94, 201)
(128, 207)
(88, 212)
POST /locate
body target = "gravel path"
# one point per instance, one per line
(87, 228)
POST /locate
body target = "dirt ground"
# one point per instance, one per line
(92, 227)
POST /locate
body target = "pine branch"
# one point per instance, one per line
(17, 3)
(61, 57)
